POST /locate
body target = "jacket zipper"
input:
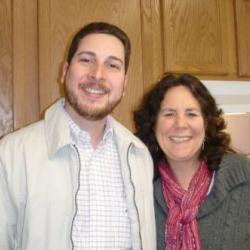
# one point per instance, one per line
(134, 194)
(77, 190)
(78, 187)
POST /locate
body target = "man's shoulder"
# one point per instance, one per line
(125, 134)
(30, 132)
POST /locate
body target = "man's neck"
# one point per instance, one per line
(94, 128)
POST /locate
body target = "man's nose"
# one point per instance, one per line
(97, 71)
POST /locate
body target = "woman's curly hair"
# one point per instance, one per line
(216, 142)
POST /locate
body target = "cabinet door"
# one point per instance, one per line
(18, 64)
(6, 114)
(151, 41)
(198, 36)
(59, 20)
(25, 63)
(243, 36)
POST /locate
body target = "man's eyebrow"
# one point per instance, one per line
(86, 52)
(90, 53)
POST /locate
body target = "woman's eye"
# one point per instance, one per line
(192, 114)
(168, 114)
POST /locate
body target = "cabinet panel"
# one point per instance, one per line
(152, 48)
(6, 115)
(18, 64)
(198, 36)
(25, 63)
(243, 36)
(59, 20)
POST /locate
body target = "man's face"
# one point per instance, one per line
(94, 80)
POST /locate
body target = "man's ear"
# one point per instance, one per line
(125, 84)
(64, 71)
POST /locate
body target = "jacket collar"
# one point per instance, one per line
(124, 137)
(56, 128)
(58, 133)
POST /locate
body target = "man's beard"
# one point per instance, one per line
(87, 111)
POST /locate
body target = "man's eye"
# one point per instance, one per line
(85, 60)
(114, 66)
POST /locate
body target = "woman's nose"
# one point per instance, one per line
(181, 121)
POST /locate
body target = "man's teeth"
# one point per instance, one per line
(179, 139)
(95, 91)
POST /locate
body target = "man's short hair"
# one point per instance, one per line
(100, 28)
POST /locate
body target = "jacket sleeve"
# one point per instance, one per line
(7, 213)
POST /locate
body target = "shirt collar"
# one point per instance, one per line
(79, 135)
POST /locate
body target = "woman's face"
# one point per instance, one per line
(180, 127)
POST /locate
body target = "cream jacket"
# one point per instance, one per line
(39, 169)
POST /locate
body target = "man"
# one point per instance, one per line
(78, 179)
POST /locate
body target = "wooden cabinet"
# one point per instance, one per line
(152, 47)
(6, 114)
(33, 41)
(208, 38)
(59, 20)
(18, 64)
(198, 36)
(243, 36)
(25, 63)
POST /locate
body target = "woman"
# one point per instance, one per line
(201, 186)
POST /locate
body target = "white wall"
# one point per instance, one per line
(234, 98)
(231, 96)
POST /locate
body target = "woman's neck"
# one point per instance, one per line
(184, 171)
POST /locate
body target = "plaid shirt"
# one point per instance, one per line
(101, 221)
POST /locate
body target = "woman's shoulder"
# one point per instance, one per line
(235, 166)
(230, 160)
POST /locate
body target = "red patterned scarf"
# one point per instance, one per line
(182, 228)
